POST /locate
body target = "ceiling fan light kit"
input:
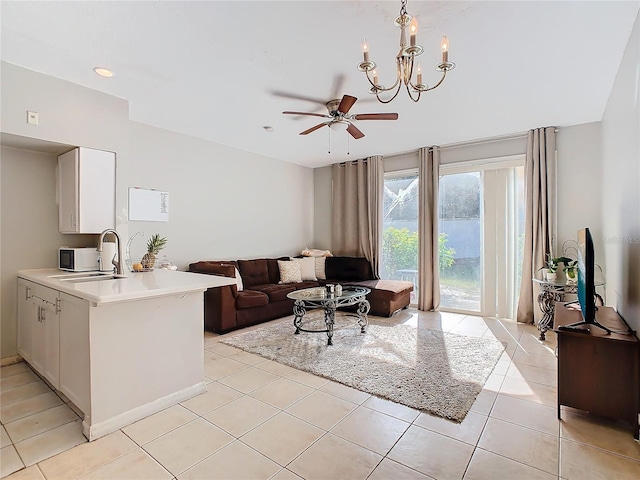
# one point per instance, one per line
(405, 62)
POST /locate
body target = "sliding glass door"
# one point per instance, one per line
(481, 221)
(400, 229)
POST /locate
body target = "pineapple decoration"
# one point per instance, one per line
(154, 245)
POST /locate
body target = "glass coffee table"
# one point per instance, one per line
(312, 298)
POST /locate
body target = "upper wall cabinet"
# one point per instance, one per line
(86, 191)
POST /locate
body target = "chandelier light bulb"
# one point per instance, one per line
(365, 49)
(413, 31)
(375, 77)
(444, 45)
(419, 74)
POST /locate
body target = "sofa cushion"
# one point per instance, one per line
(386, 289)
(307, 268)
(276, 293)
(348, 268)
(308, 284)
(319, 267)
(251, 298)
(253, 272)
(274, 270)
(289, 271)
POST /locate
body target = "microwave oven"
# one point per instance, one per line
(78, 259)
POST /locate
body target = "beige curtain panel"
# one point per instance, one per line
(357, 209)
(540, 208)
(428, 258)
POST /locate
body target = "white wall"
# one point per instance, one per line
(322, 229)
(224, 203)
(621, 185)
(579, 183)
(29, 237)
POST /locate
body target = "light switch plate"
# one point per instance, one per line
(32, 118)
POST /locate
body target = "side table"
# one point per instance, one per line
(552, 291)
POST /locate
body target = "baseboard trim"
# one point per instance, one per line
(10, 360)
(95, 431)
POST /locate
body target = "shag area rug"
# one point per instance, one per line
(436, 372)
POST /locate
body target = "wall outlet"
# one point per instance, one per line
(32, 118)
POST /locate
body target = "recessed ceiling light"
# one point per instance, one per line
(268, 128)
(104, 72)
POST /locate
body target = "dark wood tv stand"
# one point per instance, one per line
(597, 372)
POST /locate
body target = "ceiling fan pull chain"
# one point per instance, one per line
(329, 141)
(348, 143)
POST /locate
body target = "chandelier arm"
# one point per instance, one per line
(378, 88)
(411, 95)
(444, 74)
(394, 95)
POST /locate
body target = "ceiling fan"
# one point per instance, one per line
(339, 114)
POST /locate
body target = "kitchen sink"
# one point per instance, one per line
(91, 277)
(94, 278)
(70, 276)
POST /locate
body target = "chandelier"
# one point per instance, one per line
(405, 62)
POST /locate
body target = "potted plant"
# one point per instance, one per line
(551, 268)
(570, 270)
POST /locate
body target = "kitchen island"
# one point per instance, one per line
(120, 349)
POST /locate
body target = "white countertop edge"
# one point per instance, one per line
(136, 286)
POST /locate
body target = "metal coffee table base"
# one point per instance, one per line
(329, 305)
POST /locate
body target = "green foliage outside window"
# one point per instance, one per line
(400, 250)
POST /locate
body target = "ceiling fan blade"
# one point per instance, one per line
(307, 113)
(295, 96)
(376, 116)
(353, 130)
(313, 129)
(346, 103)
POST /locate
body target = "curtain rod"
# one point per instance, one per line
(482, 141)
(466, 143)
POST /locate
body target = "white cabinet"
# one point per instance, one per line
(86, 191)
(75, 374)
(39, 329)
(26, 316)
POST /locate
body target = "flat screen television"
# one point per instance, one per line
(586, 272)
(586, 284)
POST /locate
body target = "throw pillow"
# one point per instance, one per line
(239, 280)
(319, 268)
(314, 252)
(307, 268)
(289, 271)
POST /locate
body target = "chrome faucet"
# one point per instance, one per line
(118, 265)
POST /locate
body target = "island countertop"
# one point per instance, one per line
(135, 286)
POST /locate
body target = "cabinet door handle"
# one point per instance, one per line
(39, 313)
(28, 293)
(44, 314)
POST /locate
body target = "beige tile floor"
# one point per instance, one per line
(263, 420)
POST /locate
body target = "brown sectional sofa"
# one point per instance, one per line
(263, 298)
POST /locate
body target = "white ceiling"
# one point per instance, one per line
(223, 70)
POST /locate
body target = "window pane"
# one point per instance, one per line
(400, 230)
(460, 241)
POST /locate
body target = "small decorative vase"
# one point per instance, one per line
(572, 280)
(550, 276)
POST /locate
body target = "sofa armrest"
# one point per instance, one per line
(223, 269)
(219, 302)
